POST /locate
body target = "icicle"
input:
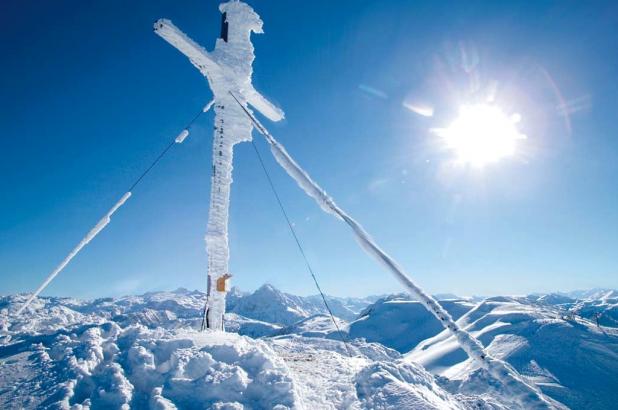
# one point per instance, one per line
(90, 236)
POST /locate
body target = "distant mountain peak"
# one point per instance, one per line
(267, 288)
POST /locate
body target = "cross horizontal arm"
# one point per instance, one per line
(183, 43)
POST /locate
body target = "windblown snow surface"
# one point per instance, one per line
(145, 352)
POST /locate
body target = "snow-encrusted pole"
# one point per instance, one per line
(107, 218)
(103, 222)
(523, 393)
(228, 69)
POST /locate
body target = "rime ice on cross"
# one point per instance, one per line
(228, 69)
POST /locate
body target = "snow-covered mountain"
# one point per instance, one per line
(598, 305)
(145, 351)
(271, 305)
(593, 294)
(254, 314)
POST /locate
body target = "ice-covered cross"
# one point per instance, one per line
(228, 69)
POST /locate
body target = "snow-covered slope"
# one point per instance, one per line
(552, 299)
(401, 323)
(271, 305)
(571, 359)
(344, 308)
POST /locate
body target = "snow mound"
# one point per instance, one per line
(144, 352)
(105, 366)
(146, 359)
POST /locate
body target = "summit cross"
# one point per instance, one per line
(228, 69)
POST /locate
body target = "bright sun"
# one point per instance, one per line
(482, 134)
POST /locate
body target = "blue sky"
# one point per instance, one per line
(90, 96)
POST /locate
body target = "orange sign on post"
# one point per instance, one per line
(222, 283)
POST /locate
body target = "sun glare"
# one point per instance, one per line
(482, 134)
